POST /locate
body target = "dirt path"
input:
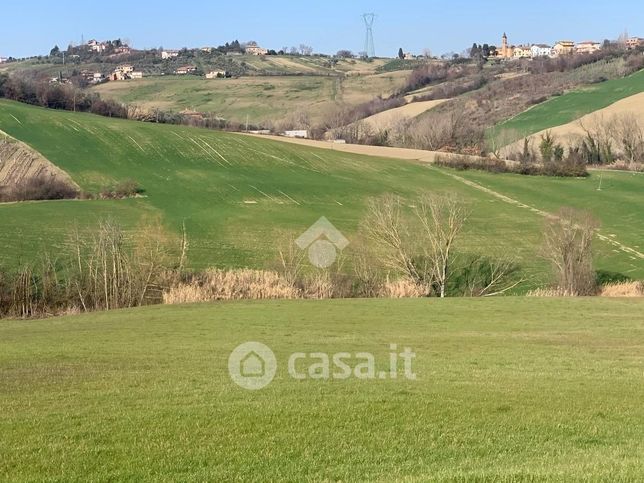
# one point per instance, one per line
(545, 214)
(378, 151)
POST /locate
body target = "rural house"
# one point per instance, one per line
(634, 43)
(122, 72)
(169, 54)
(254, 49)
(216, 74)
(186, 69)
(95, 46)
(564, 47)
(587, 47)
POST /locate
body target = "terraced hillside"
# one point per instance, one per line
(238, 194)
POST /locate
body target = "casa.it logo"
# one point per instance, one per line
(322, 240)
(252, 366)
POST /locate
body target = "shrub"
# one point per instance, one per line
(40, 187)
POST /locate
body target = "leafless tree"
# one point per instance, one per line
(629, 134)
(568, 239)
(386, 227)
(441, 220)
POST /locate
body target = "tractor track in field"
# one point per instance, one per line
(625, 248)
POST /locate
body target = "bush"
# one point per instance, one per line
(123, 189)
(40, 187)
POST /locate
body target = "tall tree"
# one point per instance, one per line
(401, 54)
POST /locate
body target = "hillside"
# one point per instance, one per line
(239, 194)
(572, 133)
(552, 385)
(259, 99)
(571, 106)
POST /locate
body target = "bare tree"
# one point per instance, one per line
(387, 229)
(629, 135)
(441, 220)
(567, 246)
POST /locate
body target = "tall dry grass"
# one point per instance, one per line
(243, 284)
(624, 289)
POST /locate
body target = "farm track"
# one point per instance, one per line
(545, 214)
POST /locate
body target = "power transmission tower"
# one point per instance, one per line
(369, 48)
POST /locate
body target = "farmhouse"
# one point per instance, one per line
(587, 47)
(216, 74)
(95, 46)
(123, 50)
(186, 69)
(136, 75)
(634, 42)
(122, 72)
(564, 47)
(169, 54)
(254, 49)
(3, 60)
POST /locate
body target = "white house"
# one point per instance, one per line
(216, 74)
(186, 69)
(136, 75)
(299, 133)
(169, 54)
(3, 60)
(541, 50)
(96, 46)
(256, 50)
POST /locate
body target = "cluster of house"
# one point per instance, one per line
(563, 47)
(100, 47)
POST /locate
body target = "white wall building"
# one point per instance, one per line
(169, 54)
(541, 50)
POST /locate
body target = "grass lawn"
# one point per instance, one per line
(507, 389)
(573, 105)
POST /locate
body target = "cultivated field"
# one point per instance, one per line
(571, 106)
(238, 194)
(507, 389)
(258, 98)
(573, 132)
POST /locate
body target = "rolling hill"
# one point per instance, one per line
(238, 194)
(571, 106)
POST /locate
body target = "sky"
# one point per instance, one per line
(34, 27)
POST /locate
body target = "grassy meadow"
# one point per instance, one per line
(573, 105)
(239, 195)
(259, 98)
(506, 390)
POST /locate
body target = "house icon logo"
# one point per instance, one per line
(252, 366)
(322, 241)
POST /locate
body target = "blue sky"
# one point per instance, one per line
(33, 27)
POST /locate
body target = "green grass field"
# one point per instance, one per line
(238, 195)
(259, 98)
(573, 105)
(506, 390)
